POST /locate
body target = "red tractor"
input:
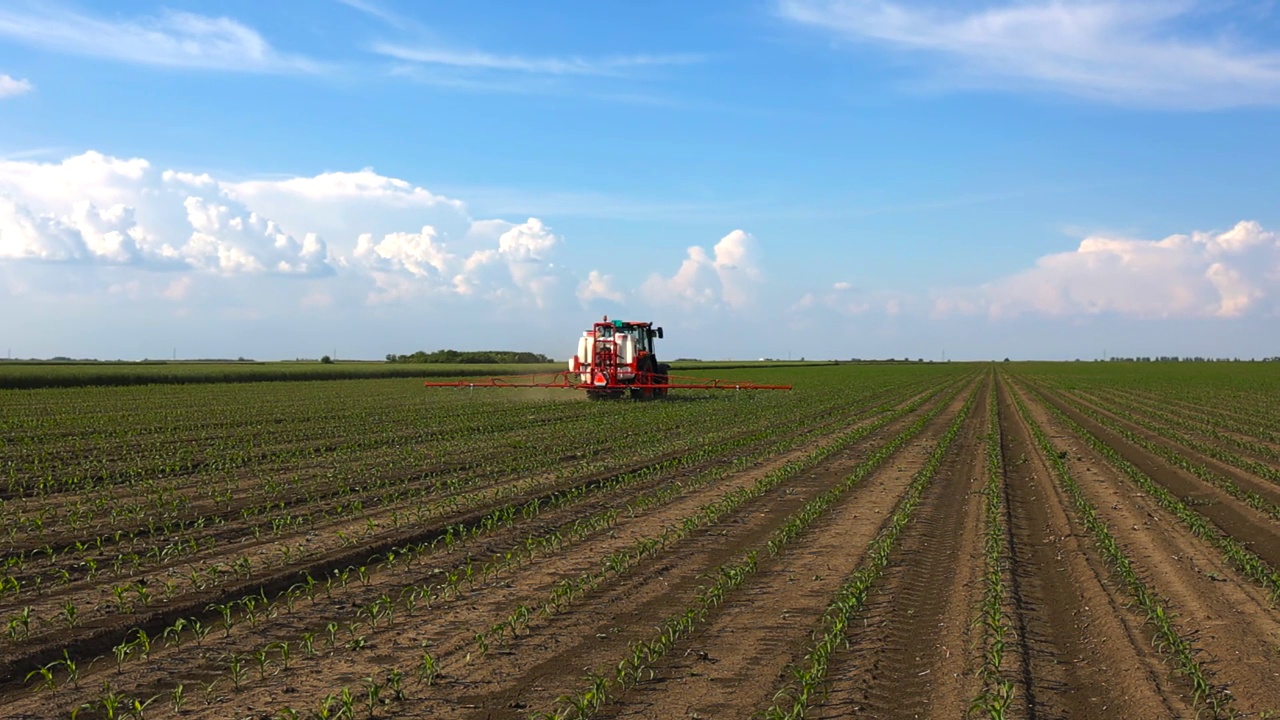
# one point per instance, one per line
(615, 357)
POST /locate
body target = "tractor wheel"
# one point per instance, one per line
(645, 374)
(662, 377)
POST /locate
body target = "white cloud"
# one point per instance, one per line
(1124, 52)
(99, 210)
(418, 254)
(726, 277)
(1201, 275)
(10, 86)
(178, 289)
(173, 39)
(599, 286)
(521, 261)
(615, 65)
(379, 12)
(347, 205)
(359, 236)
(228, 240)
(845, 299)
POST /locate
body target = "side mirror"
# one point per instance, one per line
(659, 332)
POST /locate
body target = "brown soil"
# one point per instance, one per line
(733, 668)
(1081, 652)
(1231, 622)
(1258, 532)
(1079, 648)
(915, 649)
(453, 623)
(1244, 479)
(321, 550)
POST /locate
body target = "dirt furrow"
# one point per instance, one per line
(453, 623)
(733, 667)
(1081, 652)
(1241, 477)
(553, 659)
(1231, 621)
(913, 651)
(1259, 533)
(99, 631)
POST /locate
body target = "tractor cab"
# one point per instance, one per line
(641, 334)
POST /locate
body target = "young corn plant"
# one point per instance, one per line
(997, 692)
(587, 701)
(793, 701)
(1168, 640)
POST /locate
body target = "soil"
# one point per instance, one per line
(1079, 647)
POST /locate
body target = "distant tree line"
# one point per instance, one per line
(1174, 358)
(500, 357)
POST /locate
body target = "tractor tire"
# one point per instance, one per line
(662, 377)
(646, 373)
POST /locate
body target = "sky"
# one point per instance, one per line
(1048, 179)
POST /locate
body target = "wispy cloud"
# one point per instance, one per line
(172, 39)
(10, 86)
(375, 10)
(476, 60)
(1132, 53)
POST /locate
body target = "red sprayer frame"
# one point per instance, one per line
(613, 358)
(561, 380)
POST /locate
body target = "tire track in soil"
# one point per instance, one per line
(452, 623)
(97, 633)
(740, 659)
(1258, 533)
(1241, 477)
(1232, 623)
(1080, 652)
(914, 653)
(540, 667)
(1261, 451)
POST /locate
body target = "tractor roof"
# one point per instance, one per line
(624, 323)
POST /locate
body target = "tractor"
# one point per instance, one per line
(616, 357)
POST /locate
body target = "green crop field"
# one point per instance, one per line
(892, 537)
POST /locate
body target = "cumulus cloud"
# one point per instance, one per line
(417, 254)
(227, 241)
(1126, 52)
(521, 261)
(10, 86)
(384, 239)
(94, 209)
(841, 297)
(599, 286)
(1197, 275)
(1233, 273)
(727, 276)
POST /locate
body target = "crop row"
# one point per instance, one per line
(794, 700)
(635, 667)
(997, 690)
(1236, 553)
(380, 611)
(1167, 637)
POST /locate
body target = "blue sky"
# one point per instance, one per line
(820, 178)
